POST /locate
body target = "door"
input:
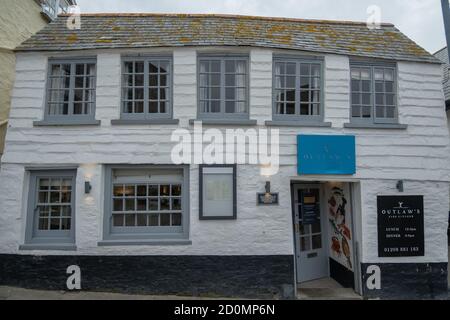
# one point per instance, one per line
(311, 254)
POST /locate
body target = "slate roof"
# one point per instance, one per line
(105, 31)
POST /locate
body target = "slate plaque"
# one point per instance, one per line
(400, 226)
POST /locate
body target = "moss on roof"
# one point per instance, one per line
(106, 31)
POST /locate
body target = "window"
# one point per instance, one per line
(223, 86)
(217, 192)
(54, 7)
(146, 88)
(373, 93)
(51, 207)
(71, 90)
(298, 92)
(147, 202)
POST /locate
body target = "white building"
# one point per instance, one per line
(88, 177)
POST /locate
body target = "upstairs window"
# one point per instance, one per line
(298, 92)
(71, 89)
(54, 7)
(223, 87)
(373, 93)
(146, 88)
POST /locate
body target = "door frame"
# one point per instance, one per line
(312, 185)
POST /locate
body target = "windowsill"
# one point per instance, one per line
(231, 122)
(143, 121)
(107, 243)
(395, 126)
(43, 246)
(282, 123)
(44, 123)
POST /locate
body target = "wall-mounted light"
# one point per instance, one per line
(87, 187)
(399, 185)
(267, 195)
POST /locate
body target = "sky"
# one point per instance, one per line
(421, 20)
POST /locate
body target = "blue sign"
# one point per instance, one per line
(317, 154)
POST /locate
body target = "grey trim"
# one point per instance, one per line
(59, 247)
(298, 59)
(298, 124)
(66, 122)
(234, 216)
(70, 118)
(48, 238)
(230, 122)
(51, 168)
(222, 57)
(139, 235)
(146, 115)
(144, 121)
(370, 125)
(107, 243)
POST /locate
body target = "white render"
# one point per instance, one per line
(418, 155)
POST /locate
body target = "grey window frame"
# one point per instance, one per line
(50, 238)
(373, 120)
(222, 115)
(297, 118)
(146, 115)
(70, 118)
(201, 213)
(144, 235)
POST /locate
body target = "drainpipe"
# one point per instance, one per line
(446, 14)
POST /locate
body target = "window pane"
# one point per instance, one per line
(141, 204)
(230, 107)
(290, 108)
(164, 204)
(176, 219)
(118, 220)
(316, 242)
(129, 205)
(119, 190)
(176, 204)
(356, 111)
(141, 220)
(118, 205)
(304, 109)
(365, 74)
(153, 204)
(153, 190)
(130, 220)
(290, 68)
(165, 219)
(153, 220)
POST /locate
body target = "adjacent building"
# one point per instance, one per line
(19, 19)
(107, 169)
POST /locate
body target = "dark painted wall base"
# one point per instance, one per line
(408, 281)
(224, 276)
(342, 275)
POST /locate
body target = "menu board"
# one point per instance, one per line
(400, 226)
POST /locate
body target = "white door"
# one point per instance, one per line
(311, 253)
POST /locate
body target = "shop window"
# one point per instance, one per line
(218, 192)
(146, 202)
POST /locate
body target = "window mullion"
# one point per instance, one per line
(222, 86)
(71, 89)
(146, 87)
(297, 88)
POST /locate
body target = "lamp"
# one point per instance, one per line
(267, 195)
(399, 185)
(87, 187)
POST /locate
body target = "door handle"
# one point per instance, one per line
(297, 227)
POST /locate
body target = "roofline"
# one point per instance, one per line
(439, 50)
(225, 16)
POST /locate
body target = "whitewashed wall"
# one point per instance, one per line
(419, 155)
